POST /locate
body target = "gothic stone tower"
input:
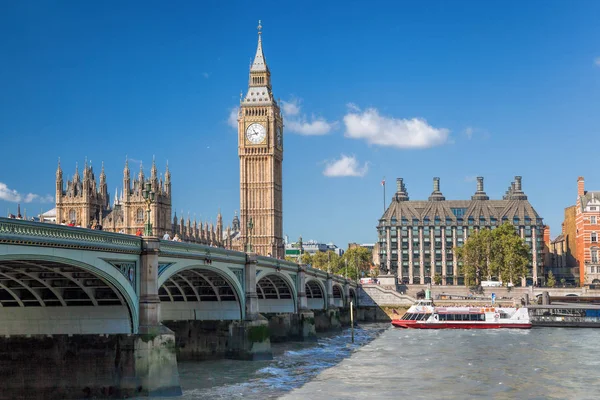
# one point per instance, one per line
(83, 202)
(260, 147)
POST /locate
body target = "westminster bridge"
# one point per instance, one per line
(137, 304)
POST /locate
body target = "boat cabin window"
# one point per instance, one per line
(462, 317)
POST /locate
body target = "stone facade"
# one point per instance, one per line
(260, 148)
(85, 203)
(417, 238)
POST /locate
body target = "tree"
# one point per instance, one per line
(356, 259)
(306, 258)
(516, 258)
(551, 280)
(473, 258)
(437, 279)
(499, 252)
(326, 261)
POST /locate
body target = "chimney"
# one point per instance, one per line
(436, 195)
(518, 183)
(436, 184)
(480, 194)
(580, 186)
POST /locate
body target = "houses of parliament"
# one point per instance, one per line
(85, 202)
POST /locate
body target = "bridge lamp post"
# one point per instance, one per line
(250, 227)
(149, 197)
(300, 250)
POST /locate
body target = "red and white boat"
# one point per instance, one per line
(424, 315)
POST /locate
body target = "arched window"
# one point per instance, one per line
(72, 215)
(139, 217)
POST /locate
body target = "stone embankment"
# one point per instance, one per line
(382, 303)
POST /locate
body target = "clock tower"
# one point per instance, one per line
(260, 147)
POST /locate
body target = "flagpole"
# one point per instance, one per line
(383, 194)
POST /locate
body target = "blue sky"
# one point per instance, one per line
(371, 90)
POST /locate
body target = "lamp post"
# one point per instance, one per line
(300, 250)
(149, 196)
(250, 227)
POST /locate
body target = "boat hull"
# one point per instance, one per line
(458, 325)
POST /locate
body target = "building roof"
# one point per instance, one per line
(589, 197)
(513, 205)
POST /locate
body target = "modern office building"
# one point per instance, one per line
(417, 237)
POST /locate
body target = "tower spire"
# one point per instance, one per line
(259, 64)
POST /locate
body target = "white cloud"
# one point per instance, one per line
(206, 75)
(291, 108)
(314, 127)
(233, 116)
(15, 197)
(393, 132)
(597, 61)
(345, 166)
(301, 124)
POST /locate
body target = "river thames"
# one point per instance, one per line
(392, 363)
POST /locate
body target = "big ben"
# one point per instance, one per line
(260, 147)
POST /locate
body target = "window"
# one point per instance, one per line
(594, 237)
(593, 220)
(458, 212)
(594, 256)
(592, 269)
(139, 215)
(72, 215)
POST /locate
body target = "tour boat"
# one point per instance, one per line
(424, 315)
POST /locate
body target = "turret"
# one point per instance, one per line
(126, 180)
(154, 176)
(168, 181)
(59, 181)
(103, 187)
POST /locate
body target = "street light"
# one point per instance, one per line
(148, 195)
(300, 250)
(250, 227)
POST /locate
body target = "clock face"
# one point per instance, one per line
(256, 133)
(279, 137)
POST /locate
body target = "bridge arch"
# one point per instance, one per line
(352, 297)
(316, 295)
(338, 295)
(200, 292)
(276, 293)
(45, 294)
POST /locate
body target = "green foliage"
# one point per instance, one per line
(501, 253)
(306, 258)
(437, 279)
(354, 263)
(291, 258)
(550, 280)
(328, 261)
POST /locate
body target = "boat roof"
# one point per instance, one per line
(555, 306)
